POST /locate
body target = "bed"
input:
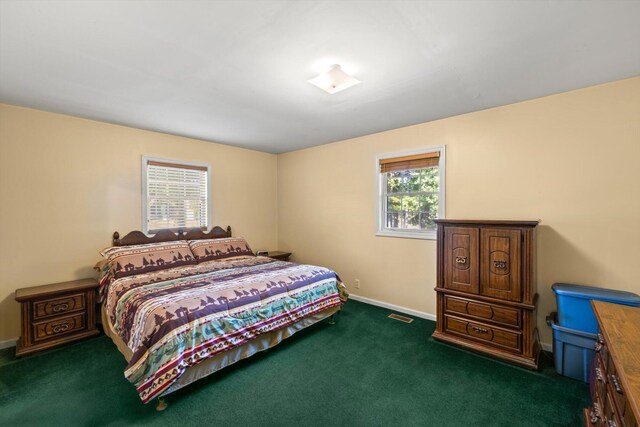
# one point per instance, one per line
(180, 306)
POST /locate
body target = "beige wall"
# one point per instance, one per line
(66, 184)
(571, 160)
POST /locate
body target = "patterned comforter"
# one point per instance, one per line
(172, 319)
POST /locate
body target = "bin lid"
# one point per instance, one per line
(600, 294)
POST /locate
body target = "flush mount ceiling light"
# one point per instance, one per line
(334, 80)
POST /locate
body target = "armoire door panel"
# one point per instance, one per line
(500, 274)
(461, 270)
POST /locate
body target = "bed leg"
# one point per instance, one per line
(332, 319)
(162, 405)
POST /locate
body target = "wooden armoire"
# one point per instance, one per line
(486, 288)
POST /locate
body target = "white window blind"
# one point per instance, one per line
(176, 195)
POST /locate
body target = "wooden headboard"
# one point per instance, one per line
(139, 238)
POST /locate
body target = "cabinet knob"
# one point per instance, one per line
(60, 328)
(60, 307)
(599, 375)
(616, 383)
(461, 259)
(595, 413)
(500, 264)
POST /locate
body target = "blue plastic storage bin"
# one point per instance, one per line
(573, 352)
(574, 304)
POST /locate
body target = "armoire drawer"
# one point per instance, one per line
(509, 316)
(493, 336)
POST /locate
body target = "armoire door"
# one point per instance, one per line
(500, 264)
(461, 252)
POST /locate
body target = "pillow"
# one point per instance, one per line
(136, 259)
(210, 249)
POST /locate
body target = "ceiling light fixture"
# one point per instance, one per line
(334, 80)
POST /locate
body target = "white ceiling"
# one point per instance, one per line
(236, 72)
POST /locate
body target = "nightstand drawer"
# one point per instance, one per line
(59, 326)
(56, 306)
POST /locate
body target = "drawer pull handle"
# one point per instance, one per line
(599, 375)
(500, 264)
(60, 328)
(480, 330)
(616, 383)
(461, 259)
(60, 307)
(594, 414)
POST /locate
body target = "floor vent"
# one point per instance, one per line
(400, 318)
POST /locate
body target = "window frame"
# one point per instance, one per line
(145, 160)
(381, 230)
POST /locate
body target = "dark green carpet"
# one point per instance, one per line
(365, 370)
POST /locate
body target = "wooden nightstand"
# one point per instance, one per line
(56, 314)
(282, 256)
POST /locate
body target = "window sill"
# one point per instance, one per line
(424, 235)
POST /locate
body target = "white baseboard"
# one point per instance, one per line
(545, 346)
(394, 307)
(8, 343)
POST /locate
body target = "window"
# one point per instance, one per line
(411, 193)
(175, 194)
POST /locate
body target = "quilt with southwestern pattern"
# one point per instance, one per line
(172, 319)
